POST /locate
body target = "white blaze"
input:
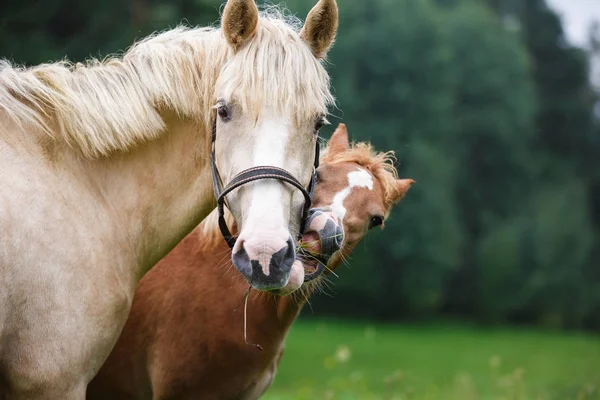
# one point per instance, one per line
(266, 208)
(358, 178)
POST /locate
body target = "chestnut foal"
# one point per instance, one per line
(175, 346)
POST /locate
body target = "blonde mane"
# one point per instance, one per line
(380, 164)
(110, 105)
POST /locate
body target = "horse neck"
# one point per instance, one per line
(271, 316)
(168, 180)
(159, 191)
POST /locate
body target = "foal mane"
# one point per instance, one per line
(102, 106)
(380, 164)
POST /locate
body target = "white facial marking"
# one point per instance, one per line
(266, 207)
(359, 178)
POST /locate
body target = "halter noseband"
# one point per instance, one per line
(254, 174)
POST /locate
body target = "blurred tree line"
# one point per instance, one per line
(487, 107)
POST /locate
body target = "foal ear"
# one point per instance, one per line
(339, 141)
(321, 26)
(401, 186)
(239, 21)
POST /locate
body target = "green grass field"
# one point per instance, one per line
(338, 360)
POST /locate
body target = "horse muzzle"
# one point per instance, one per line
(265, 260)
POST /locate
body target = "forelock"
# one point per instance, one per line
(277, 69)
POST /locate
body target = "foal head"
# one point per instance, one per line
(271, 100)
(355, 193)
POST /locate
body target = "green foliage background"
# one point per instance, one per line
(488, 109)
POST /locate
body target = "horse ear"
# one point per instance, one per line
(339, 141)
(321, 26)
(401, 186)
(239, 21)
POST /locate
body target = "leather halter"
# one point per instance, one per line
(253, 174)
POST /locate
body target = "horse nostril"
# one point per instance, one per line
(291, 249)
(282, 260)
(278, 258)
(240, 259)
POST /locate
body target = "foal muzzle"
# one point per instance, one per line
(331, 237)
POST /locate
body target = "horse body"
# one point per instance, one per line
(57, 214)
(105, 167)
(183, 339)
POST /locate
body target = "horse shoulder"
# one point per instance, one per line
(52, 262)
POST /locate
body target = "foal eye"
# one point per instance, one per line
(223, 112)
(317, 176)
(375, 221)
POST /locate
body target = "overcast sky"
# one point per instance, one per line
(576, 16)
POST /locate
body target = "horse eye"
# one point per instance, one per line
(223, 112)
(319, 124)
(375, 221)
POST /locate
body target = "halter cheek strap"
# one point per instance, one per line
(254, 174)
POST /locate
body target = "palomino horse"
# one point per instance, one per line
(182, 339)
(105, 167)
